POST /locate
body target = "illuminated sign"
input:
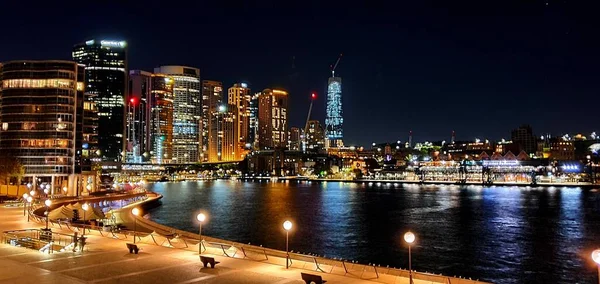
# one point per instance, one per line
(89, 42)
(112, 43)
(498, 163)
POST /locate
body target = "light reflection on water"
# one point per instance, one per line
(499, 234)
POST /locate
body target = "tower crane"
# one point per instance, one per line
(313, 97)
(335, 65)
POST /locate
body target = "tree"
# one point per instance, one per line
(10, 167)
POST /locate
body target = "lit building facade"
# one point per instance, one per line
(138, 114)
(42, 120)
(272, 119)
(334, 119)
(106, 84)
(524, 138)
(161, 119)
(253, 121)
(187, 112)
(239, 97)
(315, 135)
(294, 139)
(213, 104)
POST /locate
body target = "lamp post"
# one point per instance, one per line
(64, 190)
(29, 200)
(48, 202)
(596, 258)
(25, 196)
(135, 212)
(287, 225)
(409, 238)
(85, 208)
(201, 217)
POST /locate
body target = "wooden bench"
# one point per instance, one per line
(308, 278)
(206, 260)
(133, 248)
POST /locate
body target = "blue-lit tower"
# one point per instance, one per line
(334, 119)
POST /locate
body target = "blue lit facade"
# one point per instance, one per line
(334, 120)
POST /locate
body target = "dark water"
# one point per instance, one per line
(498, 234)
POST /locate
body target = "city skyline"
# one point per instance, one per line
(431, 73)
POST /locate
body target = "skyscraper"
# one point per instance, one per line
(253, 122)
(187, 111)
(138, 114)
(42, 114)
(315, 136)
(239, 97)
(106, 84)
(272, 119)
(334, 119)
(215, 109)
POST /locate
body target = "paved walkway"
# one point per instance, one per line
(106, 260)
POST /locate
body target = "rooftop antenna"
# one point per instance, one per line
(335, 65)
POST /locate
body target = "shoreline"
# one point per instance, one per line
(381, 182)
(151, 227)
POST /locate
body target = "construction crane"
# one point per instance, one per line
(313, 97)
(335, 65)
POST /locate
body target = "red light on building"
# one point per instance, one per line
(133, 100)
(313, 96)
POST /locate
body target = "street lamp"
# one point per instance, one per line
(409, 238)
(85, 208)
(287, 225)
(48, 202)
(25, 196)
(135, 212)
(29, 200)
(201, 217)
(65, 190)
(596, 258)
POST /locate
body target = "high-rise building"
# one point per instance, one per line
(187, 111)
(524, 138)
(253, 122)
(43, 122)
(106, 84)
(272, 119)
(239, 97)
(315, 135)
(161, 118)
(214, 107)
(294, 140)
(334, 119)
(138, 114)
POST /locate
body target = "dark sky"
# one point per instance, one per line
(480, 68)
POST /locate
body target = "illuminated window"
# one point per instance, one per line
(38, 83)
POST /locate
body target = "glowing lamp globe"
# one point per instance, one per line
(64, 188)
(135, 211)
(85, 207)
(201, 217)
(25, 195)
(48, 202)
(596, 256)
(287, 225)
(29, 199)
(409, 237)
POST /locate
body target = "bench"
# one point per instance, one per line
(133, 248)
(206, 260)
(308, 278)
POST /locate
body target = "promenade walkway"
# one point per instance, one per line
(106, 260)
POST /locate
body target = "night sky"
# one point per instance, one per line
(480, 68)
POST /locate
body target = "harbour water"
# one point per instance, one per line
(498, 234)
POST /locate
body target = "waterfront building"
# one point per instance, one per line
(272, 119)
(524, 138)
(161, 119)
(239, 97)
(334, 120)
(562, 150)
(138, 114)
(294, 139)
(187, 112)
(212, 91)
(315, 135)
(43, 123)
(106, 84)
(253, 122)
